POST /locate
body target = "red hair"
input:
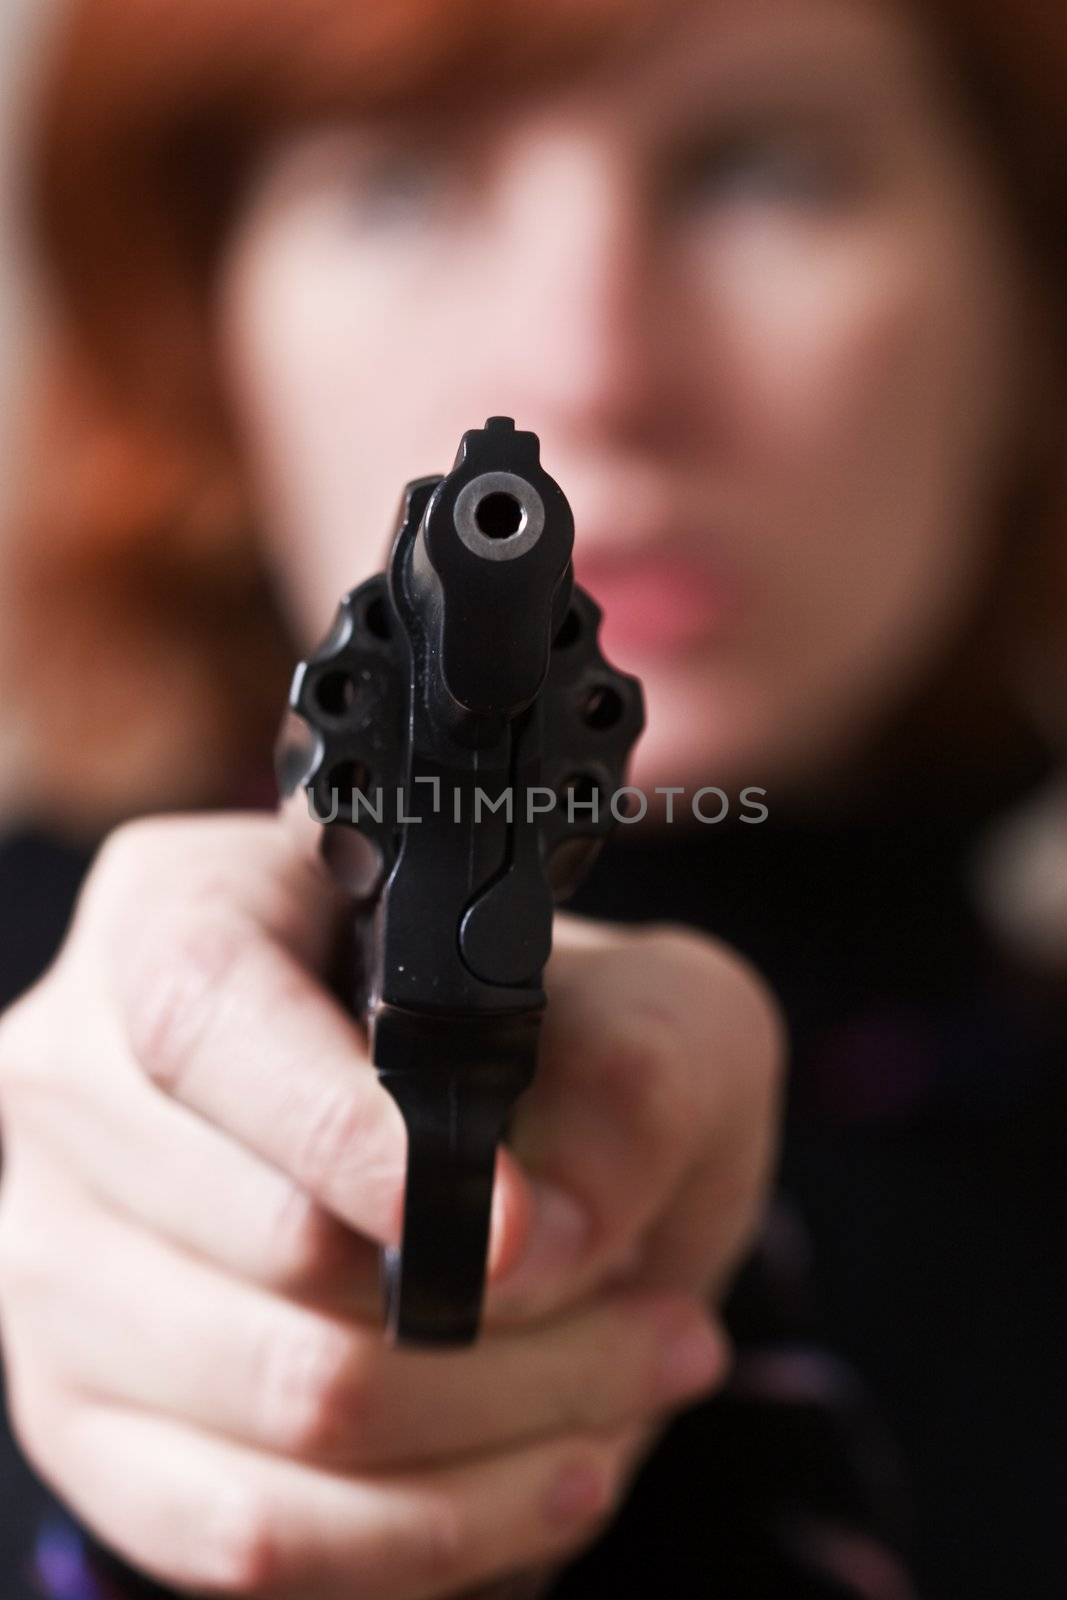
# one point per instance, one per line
(147, 661)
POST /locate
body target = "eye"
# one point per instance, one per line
(398, 184)
(775, 167)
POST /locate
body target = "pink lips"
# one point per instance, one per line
(656, 603)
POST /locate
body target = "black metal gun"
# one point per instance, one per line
(463, 742)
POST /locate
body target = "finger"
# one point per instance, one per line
(702, 1235)
(203, 1514)
(225, 1019)
(144, 1157)
(170, 1172)
(122, 1318)
(223, 1016)
(253, 862)
(226, 1022)
(660, 1056)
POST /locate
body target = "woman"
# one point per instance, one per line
(778, 288)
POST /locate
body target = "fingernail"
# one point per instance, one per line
(579, 1492)
(559, 1234)
(689, 1360)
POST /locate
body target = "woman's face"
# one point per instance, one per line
(753, 288)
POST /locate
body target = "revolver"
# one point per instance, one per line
(463, 743)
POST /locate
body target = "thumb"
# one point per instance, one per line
(653, 1103)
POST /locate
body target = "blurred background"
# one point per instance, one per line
(24, 26)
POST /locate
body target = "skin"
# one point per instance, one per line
(758, 297)
(799, 370)
(192, 1202)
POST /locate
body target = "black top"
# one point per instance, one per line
(908, 1284)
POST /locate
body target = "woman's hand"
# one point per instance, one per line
(199, 1165)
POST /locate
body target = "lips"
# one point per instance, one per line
(656, 603)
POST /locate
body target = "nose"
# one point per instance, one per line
(577, 331)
